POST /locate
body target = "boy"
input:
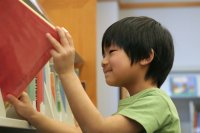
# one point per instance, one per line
(138, 54)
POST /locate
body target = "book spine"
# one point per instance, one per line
(198, 122)
(40, 90)
(31, 90)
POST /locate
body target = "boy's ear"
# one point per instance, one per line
(148, 60)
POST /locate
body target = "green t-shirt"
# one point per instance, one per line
(153, 109)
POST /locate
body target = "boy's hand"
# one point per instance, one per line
(22, 105)
(63, 52)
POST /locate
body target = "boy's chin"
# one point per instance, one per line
(111, 83)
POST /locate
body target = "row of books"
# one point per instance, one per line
(47, 96)
(47, 92)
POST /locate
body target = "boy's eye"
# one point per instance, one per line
(111, 51)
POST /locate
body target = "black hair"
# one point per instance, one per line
(138, 36)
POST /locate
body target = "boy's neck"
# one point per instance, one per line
(136, 88)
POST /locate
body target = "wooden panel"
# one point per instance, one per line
(106, 0)
(79, 18)
(133, 5)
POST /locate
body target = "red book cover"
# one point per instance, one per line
(24, 48)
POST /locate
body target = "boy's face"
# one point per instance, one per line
(117, 67)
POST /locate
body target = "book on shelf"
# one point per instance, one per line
(39, 90)
(194, 113)
(183, 85)
(24, 48)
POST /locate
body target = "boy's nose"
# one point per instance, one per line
(104, 62)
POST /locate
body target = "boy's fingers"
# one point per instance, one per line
(69, 37)
(24, 94)
(54, 42)
(13, 100)
(63, 38)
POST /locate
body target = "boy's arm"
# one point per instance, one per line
(44, 124)
(89, 118)
(87, 115)
(41, 122)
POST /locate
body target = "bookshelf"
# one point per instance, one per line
(16, 130)
(11, 122)
(187, 109)
(84, 62)
(14, 123)
(183, 85)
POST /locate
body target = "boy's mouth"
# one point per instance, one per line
(107, 70)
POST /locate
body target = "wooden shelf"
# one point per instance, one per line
(15, 123)
(16, 130)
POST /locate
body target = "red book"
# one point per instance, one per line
(24, 48)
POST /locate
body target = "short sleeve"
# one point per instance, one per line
(150, 111)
